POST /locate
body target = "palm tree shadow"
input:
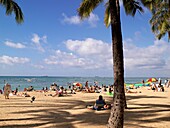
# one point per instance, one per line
(58, 115)
(137, 107)
(144, 114)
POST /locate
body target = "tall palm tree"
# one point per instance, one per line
(11, 6)
(112, 18)
(160, 21)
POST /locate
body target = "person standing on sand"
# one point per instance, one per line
(86, 85)
(7, 90)
(159, 81)
(143, 83)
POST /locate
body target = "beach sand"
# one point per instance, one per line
(147, 109)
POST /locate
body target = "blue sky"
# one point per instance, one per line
(53, 41)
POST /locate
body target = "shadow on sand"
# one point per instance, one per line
(59, 114)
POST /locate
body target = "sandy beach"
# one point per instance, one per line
(147, 109)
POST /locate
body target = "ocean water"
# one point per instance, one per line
(38, 82)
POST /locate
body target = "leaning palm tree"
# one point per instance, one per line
(112, 19)
(11, 7)
(160, 21)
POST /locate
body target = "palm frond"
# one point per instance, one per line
(148, 3)
(107, 16)
(160, 21)
(87, 6)
(131, 6)
(11, 7)
(18, 13)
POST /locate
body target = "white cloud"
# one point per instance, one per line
(87, 54)
(44, 39)
(91, 20)
(66, 59)
(96, 54)
(14, 45)
(13, 60)
(38, 40)
(151, 57)
(89, 47)
(72, 19)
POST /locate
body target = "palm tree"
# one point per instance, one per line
(11, 7)
(160, 21)
(112, 18)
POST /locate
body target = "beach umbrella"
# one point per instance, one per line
(152, 80)
(77, 84)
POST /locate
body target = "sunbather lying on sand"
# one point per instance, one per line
(129, 91)
(24, 94)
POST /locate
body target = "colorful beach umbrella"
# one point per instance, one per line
(77, 84)
(152, 80)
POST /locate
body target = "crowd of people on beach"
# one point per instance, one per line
(61, 91)
(95, 88)
(72, 89)
(158, 86)
(56, 90)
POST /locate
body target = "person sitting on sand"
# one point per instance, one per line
(104, 89)
(15, 91)
(160, 88)
(154, 87)
(1, 91)
(54, 87)
(46, 89)
(97, 89)
(71, 89)
(60, 92)
(110, 90)
(100, 104)
(91, 89)
(31, 88)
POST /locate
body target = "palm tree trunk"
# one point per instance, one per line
(117, 112)
(169, 13)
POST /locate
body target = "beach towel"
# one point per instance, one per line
(110, 94)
